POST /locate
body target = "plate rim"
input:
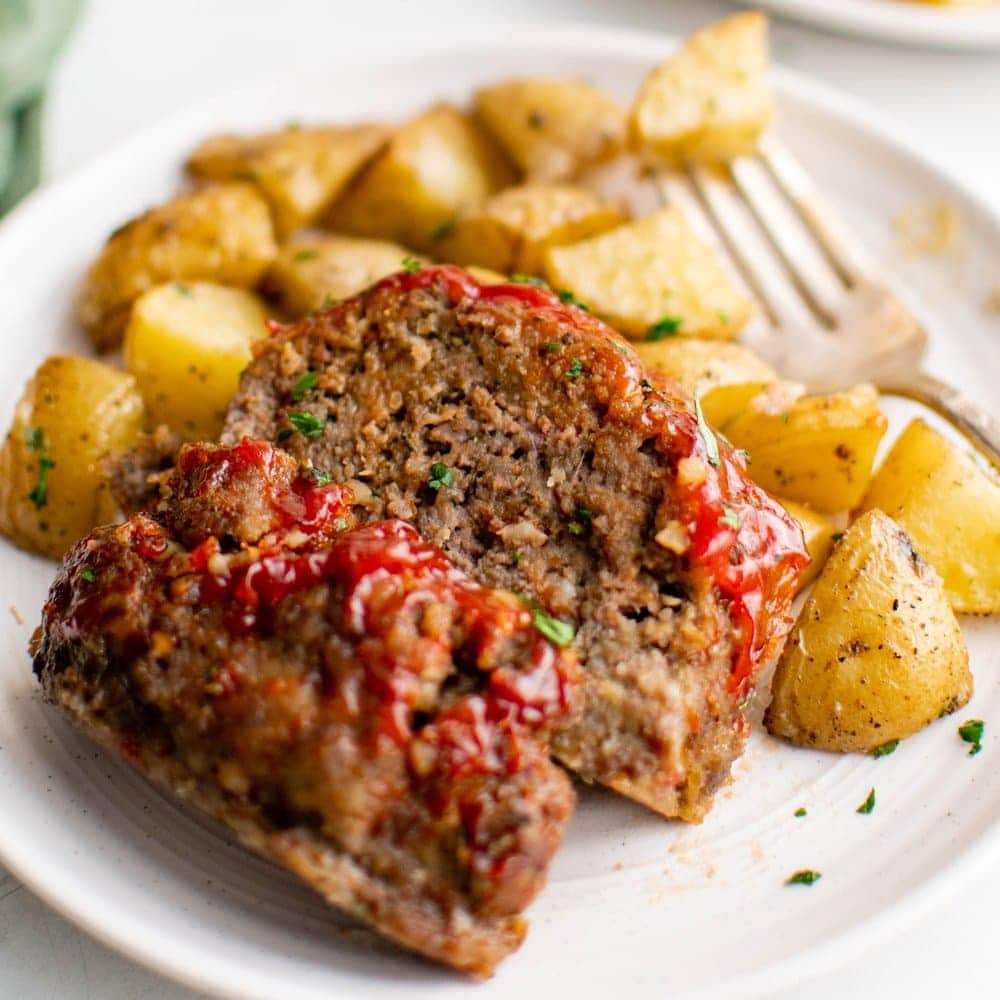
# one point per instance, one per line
(101, 921)
(973, 30)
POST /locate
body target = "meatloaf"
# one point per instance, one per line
(522, 436)
(352, 705)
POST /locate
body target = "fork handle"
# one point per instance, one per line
(973, 420)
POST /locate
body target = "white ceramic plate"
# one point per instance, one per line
(636, 907)
(898, 21)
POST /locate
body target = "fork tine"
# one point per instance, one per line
(751, 251)
(807, 263)
(845, 253)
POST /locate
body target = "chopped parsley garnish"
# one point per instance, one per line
(88, 574)
(972, 732)
(328, 302)
(885, 749)
(583, 514)
(785, 417)
(669, 326)
(575, 528)
(410, 264)
(443, 231)
(441, 476)
(868, 805)
(284, 434)
(553, 347)
(34, 439)
(646, 384)
(340, 524)
(528, 279)
(319, 477)
(724, 317)
(805, 877)
(247, 174)
(575, 369)
(710, 442)
(730, 519)
(307, 254)
(516, 558)
(306, 424)
(567, 297)
(182, 289)
(306, 383)
(560, 633)
(836, 536)
(800, 812)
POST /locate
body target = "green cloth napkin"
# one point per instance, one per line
(31, 34)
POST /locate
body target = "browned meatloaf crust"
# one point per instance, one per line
(520, 435)
(353, 706)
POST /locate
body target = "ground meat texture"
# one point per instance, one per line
(343, 697)
(522, 436)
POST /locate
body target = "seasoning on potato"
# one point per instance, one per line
(75, 412)
(950, 506)
(300, 171)
(221, 233)
(710, 101)
(651, 279)
(876, 653)
(186, 345)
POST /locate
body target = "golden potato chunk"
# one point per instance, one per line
(300, 171)
(819, 534)
(700, 366)
(186, 346)
(876, 653)
(551, 127)
(950, 507)
(222, 233)
(710, 101)
(510, 231)
(652, 278)
(313, 271)
(434, 166)
(817, 450)
(74, 413)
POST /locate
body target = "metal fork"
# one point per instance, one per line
(828, 318)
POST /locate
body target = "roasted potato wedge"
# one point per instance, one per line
(432, 168)
(652, 277)
(950, 507)
(186, 346)
(703, 365)
(74, 413)
(876, 653)
(510, 231)
(817, 450)
(300, 171)
(819, 534)
(550, 128)
(315, 270)
(221, 233)
(710, 101)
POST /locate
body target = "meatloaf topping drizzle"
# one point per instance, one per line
(343, 696)
(568, 473)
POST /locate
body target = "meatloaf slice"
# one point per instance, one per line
(521, 435)
(346, 700)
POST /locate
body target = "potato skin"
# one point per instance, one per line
(950, 506)
(186, 345)
(655, 268)
(221, 232)
(299, 171)
(550, 127)
(75, 412)
(876, 653)
(315, 269)
(433, 167)
(817, 450)
(709, 102)
(511, 230)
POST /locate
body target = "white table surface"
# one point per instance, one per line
(133, 61)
